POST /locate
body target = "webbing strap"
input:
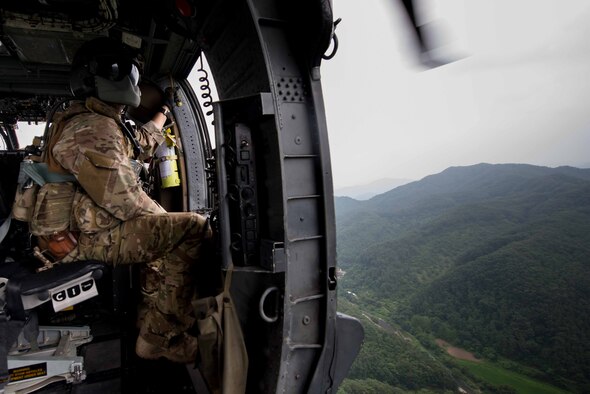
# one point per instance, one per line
(4, 228)
(40, 174)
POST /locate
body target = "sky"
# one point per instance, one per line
(519, 93)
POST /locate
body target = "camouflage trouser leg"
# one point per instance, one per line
(170, 245)
(150, 278)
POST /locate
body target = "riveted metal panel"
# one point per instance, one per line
(303, 269)
(307, 323)
(296, 140)
(302, 219)
(297, 177)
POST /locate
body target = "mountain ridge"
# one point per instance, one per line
(368, 190)
(417, 254)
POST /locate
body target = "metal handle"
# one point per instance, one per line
(263, 314)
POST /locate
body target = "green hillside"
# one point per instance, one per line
(393, 361)
(494, 258)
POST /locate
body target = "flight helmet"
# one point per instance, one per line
(107, 69)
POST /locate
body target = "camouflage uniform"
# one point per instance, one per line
(120, 224)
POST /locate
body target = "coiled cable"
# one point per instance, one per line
(335, 40)
(205, 89)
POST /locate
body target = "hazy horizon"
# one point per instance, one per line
(371, 181)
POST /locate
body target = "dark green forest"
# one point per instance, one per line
(492, 258)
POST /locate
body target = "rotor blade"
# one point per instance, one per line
(429, 50)
(410, 12)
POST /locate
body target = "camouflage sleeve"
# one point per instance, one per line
(94, 150)
(149, 137)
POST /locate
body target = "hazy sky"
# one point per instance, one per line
(520, 94)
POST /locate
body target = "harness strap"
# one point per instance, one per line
(4, 228)
(40, 174)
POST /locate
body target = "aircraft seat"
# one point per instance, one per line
(64, 285)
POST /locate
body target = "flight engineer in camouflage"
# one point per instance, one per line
(116, 220)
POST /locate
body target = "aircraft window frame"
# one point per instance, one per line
(4, 142)
(203, 84)
(26, 132)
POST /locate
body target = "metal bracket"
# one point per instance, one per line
(272, 256)
(55, 359)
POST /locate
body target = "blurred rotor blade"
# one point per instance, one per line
(409, 7)
(429, 53)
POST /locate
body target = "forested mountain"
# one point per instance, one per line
(495, 258)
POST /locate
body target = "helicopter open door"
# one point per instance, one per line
(275, 192)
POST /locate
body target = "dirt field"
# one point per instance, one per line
(456, 352)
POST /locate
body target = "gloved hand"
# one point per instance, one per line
(171, 99)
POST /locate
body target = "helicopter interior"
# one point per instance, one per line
(91, 341)
(267, 188)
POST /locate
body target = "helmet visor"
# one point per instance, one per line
(134, 75)
(116, 70)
